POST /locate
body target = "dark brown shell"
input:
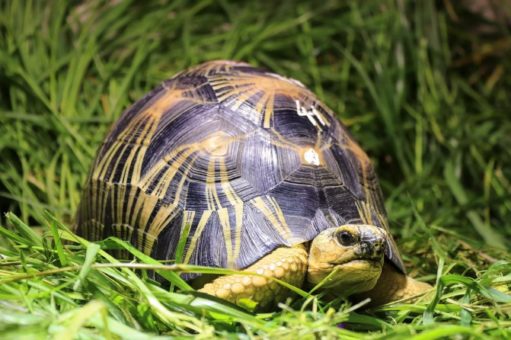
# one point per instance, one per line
(235, 159)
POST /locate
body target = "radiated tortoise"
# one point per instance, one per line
(256, 174)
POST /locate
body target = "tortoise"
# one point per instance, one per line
(254, 173)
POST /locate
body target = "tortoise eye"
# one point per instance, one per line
(346, 238)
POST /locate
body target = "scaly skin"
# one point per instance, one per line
(286, 264)
(393, 285)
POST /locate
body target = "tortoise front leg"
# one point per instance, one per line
(394, 285)
(286, 264)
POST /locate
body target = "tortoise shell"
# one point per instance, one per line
(234, 159)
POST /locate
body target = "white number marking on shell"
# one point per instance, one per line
(311, 157)
(312, 114)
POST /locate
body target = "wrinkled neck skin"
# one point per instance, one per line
(343, 270)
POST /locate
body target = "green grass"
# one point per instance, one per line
(423, 88)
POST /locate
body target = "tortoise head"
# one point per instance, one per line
(349, 257)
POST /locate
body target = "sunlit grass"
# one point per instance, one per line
(424, 90)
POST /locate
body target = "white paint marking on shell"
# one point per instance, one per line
(312, 114)
(311, 157)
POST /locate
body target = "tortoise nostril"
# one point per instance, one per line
(378, 248)
(371, 249)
